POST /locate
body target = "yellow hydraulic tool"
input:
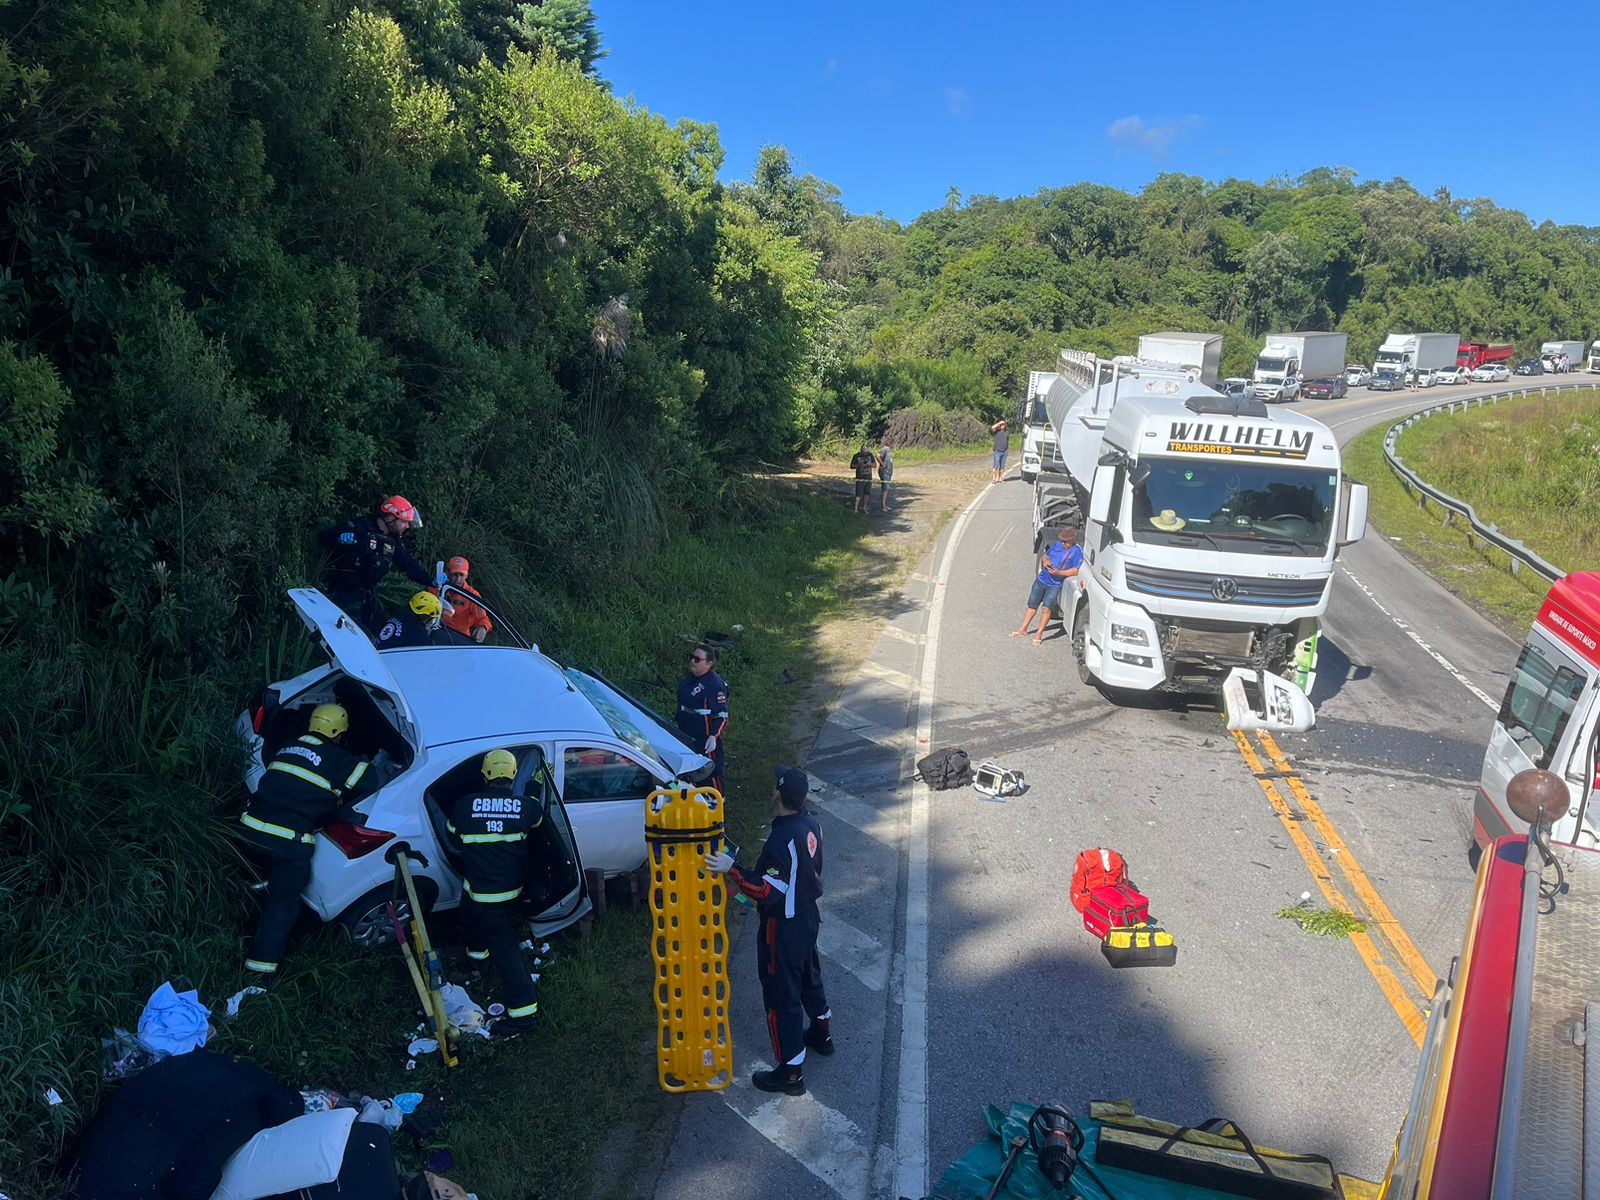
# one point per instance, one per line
(694, 1052)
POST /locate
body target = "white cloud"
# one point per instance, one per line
(957, 101)
(1152, 138)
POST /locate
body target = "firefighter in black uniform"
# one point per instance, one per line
(304, 785)
(416, 627)
(491, 829)
(703, 711)
(785, 886)
(364, 550)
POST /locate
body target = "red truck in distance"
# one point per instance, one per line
(1473, 355)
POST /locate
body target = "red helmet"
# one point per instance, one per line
(457, 564)
(401, 508)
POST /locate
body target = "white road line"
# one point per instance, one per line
(1001, 540)
(824, 1142)
(1427, 649)
(882, 825)
(911, 1120)
(878, 671)
(863, 956)
(858, 726)
(900, 635)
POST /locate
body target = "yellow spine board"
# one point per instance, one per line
(689, 942)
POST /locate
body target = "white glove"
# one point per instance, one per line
(711, 745)
(719, 863)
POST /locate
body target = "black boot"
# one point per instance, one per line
(819, 1038)
(510, 1027)
(788, 1079)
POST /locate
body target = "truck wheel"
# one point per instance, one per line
(1080, 645)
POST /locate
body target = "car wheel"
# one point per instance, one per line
(366, 922)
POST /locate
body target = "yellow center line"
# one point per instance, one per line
(1427, 979)
(1388, 982)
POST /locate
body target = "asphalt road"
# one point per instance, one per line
(960, 975)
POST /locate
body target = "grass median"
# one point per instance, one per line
(1531, 466)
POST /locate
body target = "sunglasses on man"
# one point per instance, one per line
(698, 658)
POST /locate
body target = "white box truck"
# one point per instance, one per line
(1289, 359)
(1209, 530)
(1200, 352)
(1559, 357)
(1038, 439)
(1405, 354)
(1594, 358)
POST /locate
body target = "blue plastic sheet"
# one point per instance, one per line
(173, 1022)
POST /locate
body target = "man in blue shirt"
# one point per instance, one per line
(1059, 563)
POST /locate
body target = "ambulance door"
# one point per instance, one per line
(1581, 826)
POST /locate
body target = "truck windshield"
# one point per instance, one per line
(1272, 366)
(1037, 415)
(1252, 508)
(1539, 702)
(1393, 357)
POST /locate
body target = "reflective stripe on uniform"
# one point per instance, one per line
(302, 773)
(361, 769)
(493, 897)
(282, 831)
(260, 968)
(479, 955)
(523, 1010)
(699, 712)
(474, 839)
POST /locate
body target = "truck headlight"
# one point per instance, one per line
(1130, 634)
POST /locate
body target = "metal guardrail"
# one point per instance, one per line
(1489, 533)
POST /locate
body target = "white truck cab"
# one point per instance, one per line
(1548, 718)
(1038, 439)
(1210, 533)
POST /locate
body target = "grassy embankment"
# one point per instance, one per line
(1531, 466)
(522, 1118)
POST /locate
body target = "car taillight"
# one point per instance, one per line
(355, 841)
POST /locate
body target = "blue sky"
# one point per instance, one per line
(896, 102)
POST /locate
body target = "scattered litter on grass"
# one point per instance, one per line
(122, 1056)
(235, 1000)
(173, 1022)
(1321, 922)
(52, 1097)
(422, 1046)
(462, 1010)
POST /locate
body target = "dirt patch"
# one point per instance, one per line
(925, 498)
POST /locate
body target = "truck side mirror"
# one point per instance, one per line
(1100, 497)
(1355, 515)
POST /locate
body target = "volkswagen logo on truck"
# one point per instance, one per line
(1224, 587)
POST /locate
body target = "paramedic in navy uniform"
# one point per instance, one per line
(785, 885)
(703, 711)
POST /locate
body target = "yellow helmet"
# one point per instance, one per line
(426, 605)
(499, 764)
(329, 720)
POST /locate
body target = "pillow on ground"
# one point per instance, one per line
(297, 1154)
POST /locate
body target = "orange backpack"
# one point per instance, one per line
(1096, 869)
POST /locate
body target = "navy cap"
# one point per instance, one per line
(793, 785)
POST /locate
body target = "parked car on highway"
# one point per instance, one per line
(1356, 375)
(1530, 366)
(1491, 373)
(1420, 378)
(1324, 389)
(1234, 386)
(587, 752)
(1455, 374)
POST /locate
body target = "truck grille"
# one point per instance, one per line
(1248, 590)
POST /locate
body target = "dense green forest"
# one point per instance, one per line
(263, 261)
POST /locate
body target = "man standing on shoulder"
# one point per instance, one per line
(703, 711)
(862, 463)
(364, 550)
(1059, 563)
(885, 477)
(301, 791)
(1002, 446)
(785, 886)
